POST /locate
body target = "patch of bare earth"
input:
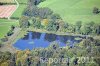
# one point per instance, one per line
(7, 10)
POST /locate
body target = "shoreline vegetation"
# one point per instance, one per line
(22, 33)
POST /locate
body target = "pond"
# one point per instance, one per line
(42, 40)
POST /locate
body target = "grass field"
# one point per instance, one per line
(22, 1)
(74, 10)
(5, 26)
(7, 1)
(19, 11)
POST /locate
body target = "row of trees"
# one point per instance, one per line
(34, 11)
(55, 24)
(88, 28)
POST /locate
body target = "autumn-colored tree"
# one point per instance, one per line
(44, 22)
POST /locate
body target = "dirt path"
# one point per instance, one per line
(7, 46)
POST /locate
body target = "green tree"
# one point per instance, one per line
(23, 22)
(95, 10)
(37, 23)
(10, 33)
(86, 29)
(52, 25)
(55, 16)
(78, 26)
(12, 27)
(98, 29)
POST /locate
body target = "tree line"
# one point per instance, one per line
(45, 18)
(87, 48)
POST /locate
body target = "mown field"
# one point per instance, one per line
(19, 11)
(5, 26)
(7, 1)
(74, 10)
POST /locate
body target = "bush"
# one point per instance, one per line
(96, 10)
(4, 39)
(16, 18)
(10, 33)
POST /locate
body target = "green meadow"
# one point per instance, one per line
(19, 11)
(5, 26)
(72, 11)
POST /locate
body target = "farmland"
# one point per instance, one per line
(74, 10)
(7, 10)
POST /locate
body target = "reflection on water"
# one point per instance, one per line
(26, 37)
(35, 35)
(50, 37)
(43, 40)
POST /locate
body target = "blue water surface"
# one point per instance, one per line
(42, 41)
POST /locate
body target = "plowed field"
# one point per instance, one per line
(7, 10)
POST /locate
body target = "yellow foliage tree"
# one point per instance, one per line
(44, 22)
(19, 54)
(4, 64)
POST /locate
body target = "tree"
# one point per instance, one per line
(23, 22)
(18, 62)
(0, 43)
(10, 33)
(98, 29)
(44, 22)
(12, 27)
(95, 10)
(86, 29)
(78, 26)
(54, 45)
(52, 25)
(97, 42)
(63, 26)
(37, 23)
(44, 12)
(55, 16)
